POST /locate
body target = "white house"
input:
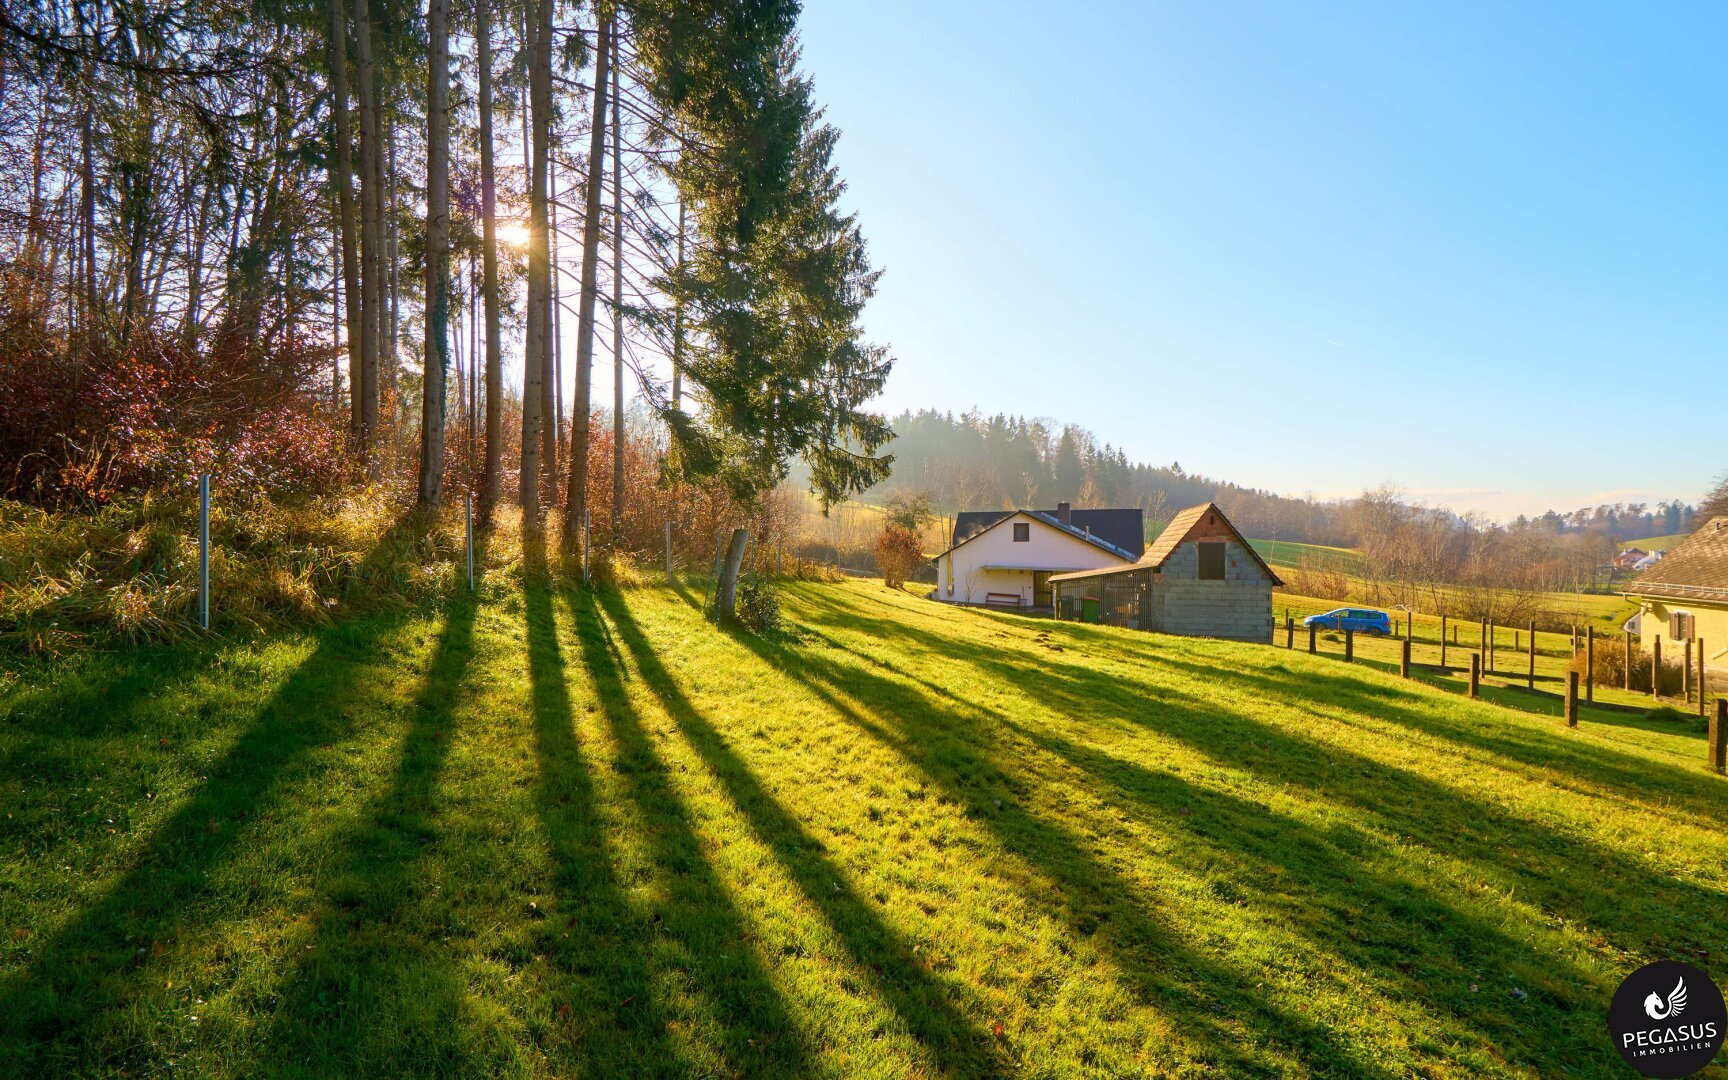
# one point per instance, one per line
(1006, 558)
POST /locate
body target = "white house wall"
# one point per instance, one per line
(1048, 549)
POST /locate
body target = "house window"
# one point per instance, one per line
(1682, 626)
(1211, 562)
(1022, 532)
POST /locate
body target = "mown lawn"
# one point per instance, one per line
(560, 832)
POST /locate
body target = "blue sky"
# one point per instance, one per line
(1478, 251)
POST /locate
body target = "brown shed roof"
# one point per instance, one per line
(1168, 540)
(1696, 568)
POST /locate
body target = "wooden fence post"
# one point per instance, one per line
(1703, 679)
(1686, 673)
(1493, 646)
(1590, 666)
(1404, 660)
(1289, 630)
(1442, 642)
(1656, 667)
(1475, 675)
(1719, 737)
(468, 518)
(1571, 698)
(1349, 645)
(668, 549)
(1313, 644)
(1532, 676)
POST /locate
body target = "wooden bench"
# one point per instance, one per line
(1002, 599)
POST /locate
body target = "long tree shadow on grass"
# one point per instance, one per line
(1593, 885)
(610, 1019)
(1607, 765)
(366, 995)
(1645, 912)
(52, 1013)
(710, 937)
(957, 1047)
(1204, 999)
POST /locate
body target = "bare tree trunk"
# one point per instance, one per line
(344, 139)
(549, 320)
(678, 317)
(577, 502)
(371, 278)
(533, 337)
(727, 601)
(195, 263)
(617, 316)
(87, 212)
(390, 319)
(437, 251)
(556, 407)
(489, 476)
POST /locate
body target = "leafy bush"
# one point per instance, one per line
(759, 606)
(81, 429)
(1611, 666)
(899, 553)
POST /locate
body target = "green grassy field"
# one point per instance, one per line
(555, 832)
(1319, 556)
(1655, 543)
(1606, 611)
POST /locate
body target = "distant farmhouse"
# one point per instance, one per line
(1200, 577)
(1629, 558)
(1006, 558)
(1683, 597)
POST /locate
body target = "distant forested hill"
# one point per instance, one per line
(968, 461)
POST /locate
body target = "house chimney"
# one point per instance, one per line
(1065, 513)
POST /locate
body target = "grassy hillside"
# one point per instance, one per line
(1319, 556)
(1655, 543)
(554, 832)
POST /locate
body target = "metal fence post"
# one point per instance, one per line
(204, 550)
(668, 549)
(468, 515)
(584, 547)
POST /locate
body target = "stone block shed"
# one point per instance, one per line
(1199, 578)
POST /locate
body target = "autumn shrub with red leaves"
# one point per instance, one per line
(84, 425)
(899, 552)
